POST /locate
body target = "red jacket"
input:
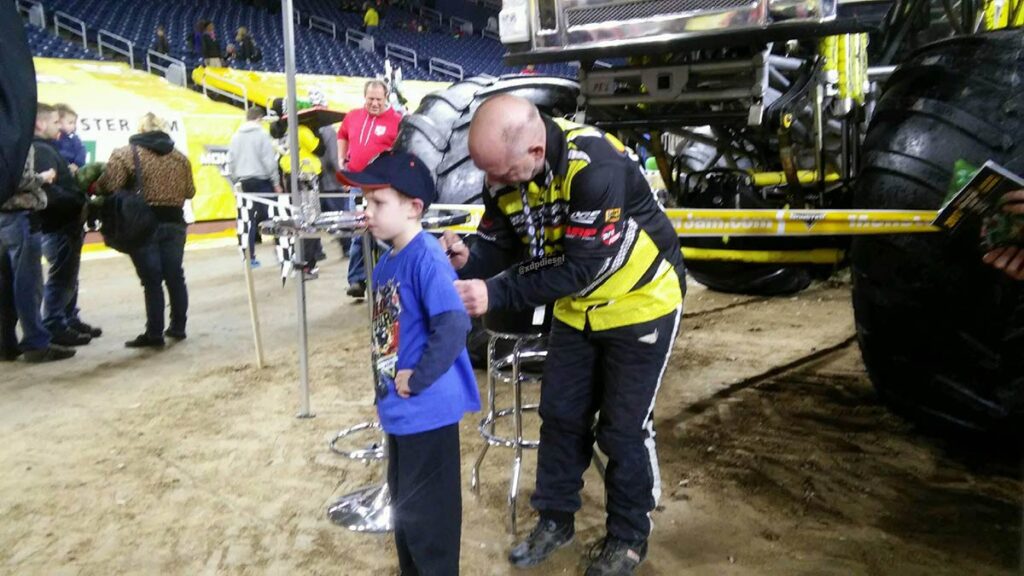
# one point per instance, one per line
(368, 136)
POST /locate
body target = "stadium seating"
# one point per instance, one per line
(316, 52)
(476, 54)
(46, 44)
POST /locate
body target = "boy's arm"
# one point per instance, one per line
(447, 340)
(447, 324)
(79, 147)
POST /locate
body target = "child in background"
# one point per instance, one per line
(69, 145)
(425, 381)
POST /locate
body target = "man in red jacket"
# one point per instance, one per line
(364, 134)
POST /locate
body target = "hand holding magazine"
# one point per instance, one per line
(992, 200)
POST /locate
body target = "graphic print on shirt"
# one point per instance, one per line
(386, 308)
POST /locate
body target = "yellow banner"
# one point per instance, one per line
(343, 93)
(111, 97)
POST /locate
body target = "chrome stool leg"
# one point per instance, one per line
(508, 369)
(474, 480)
(517, 419)
(367, 509)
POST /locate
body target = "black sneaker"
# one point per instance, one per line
(145, 341)
(9, 355)
(546, 537)
(614, 557)
(83, 328)
(69, 337)
(51, 354)
(175, 334)
(357, 290)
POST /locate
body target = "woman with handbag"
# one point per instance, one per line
(163, 177)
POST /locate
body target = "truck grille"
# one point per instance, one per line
(648, 9)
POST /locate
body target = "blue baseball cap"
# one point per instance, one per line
(399, 170)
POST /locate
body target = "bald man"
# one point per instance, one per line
(569, 219)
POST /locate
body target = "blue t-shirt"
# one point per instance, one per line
(409, 288)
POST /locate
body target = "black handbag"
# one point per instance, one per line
(128, 221)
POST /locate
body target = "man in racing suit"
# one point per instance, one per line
(567, 205)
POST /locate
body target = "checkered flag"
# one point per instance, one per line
(243, 208)
(285, 244)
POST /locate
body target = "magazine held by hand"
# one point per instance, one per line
(978, 203)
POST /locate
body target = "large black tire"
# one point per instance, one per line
(942, 334)
(438, 133)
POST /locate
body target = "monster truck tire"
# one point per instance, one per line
(438, 133)
(942, 334)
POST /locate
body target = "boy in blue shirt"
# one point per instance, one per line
(425, 381)
(69, 144)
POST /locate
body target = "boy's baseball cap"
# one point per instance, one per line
(399, 170)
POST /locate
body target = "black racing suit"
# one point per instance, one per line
(598, 246)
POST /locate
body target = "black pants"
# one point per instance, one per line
(426, 495)
(259, 212)
(616, 374)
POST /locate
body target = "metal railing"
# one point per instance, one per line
(174, 71)
(298, 17)
(243, 99)
(460, 24)
(446, 68)
(360, 39)
(25, 7)
(432, 14)
(127, 48)
(324, 25)
(399, 52)
(71, 25)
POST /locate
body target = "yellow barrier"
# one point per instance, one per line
(718, 223)
(343, 93)
(110, 98)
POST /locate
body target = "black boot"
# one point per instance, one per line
(546, 537)
(145, 341)
(69, 337)
(614, 557)
(83, 328)
(357, 290)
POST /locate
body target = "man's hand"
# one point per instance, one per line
(456, 249)
(73, 167)
(278, 189)
(1013, 202)
(49, 176)
(402, 383)
(1009, 259)
(474, 296)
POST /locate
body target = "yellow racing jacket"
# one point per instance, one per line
(586, 234)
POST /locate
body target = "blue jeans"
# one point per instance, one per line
(356, 263)
(21, 283)
(63, 250)
(159, 262)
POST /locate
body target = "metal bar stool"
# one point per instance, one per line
(528, 350)
(367, 509)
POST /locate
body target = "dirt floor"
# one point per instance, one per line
(776, 457)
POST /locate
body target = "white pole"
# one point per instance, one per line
(293, 150)
(254, 316)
